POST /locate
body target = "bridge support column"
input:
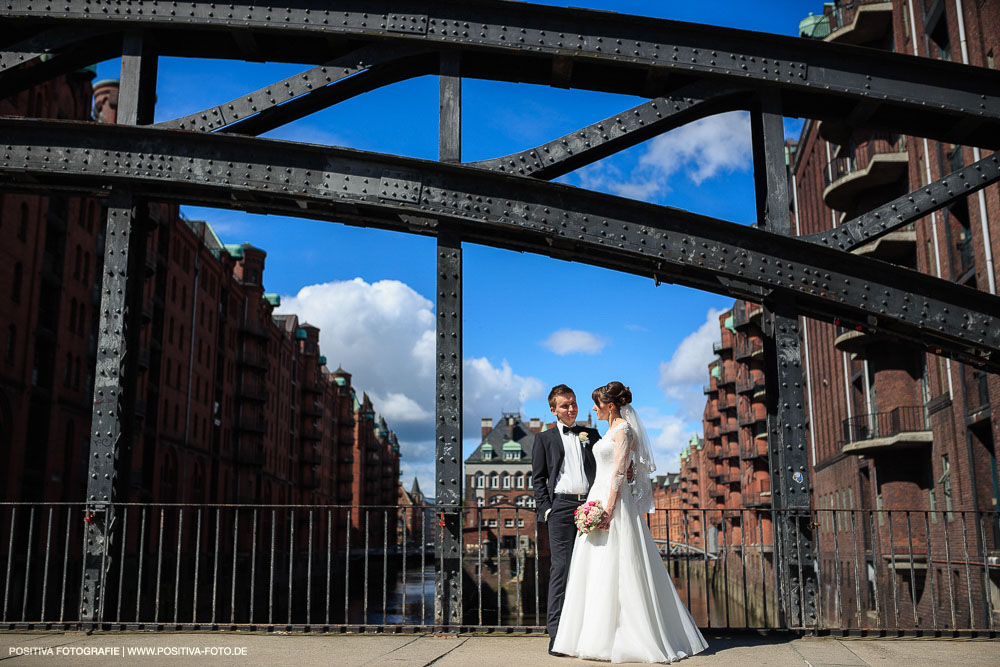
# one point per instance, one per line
(448, 436)
(794, 562)
(111, 436)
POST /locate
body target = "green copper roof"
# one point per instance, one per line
(340, 380)
(487, 447)
(511, 446)
(235, 250)
(816, 27)
(322, 360)
(273, 299)
(300, 334)
(728, 323)
(716, 372)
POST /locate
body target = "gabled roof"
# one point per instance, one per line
(505, 437)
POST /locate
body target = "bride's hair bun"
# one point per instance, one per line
(613, 392)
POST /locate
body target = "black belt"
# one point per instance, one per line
(576, 497)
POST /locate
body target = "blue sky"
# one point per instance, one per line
(530, 321)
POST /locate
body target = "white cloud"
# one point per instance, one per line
(700, 151)
(383, 334)
(682, 377)
(668, 435)
(571, 341)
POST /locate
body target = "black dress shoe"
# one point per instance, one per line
(557, 654)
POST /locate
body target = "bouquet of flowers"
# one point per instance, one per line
(587, 516)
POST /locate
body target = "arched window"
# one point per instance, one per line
(519, 481)
(478, 483)
(494, 481)
(505, 481)
(496, 499)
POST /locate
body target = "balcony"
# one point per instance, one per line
(713, 452)
(727, 402)
(732, 476)
(757, 448)
(859, 22)
(718, 491)
(720, 346)
(715, 472)
(854, 341)
(255, 329)
(759, 494)
(708, 389)
(313, 387)
(310, 456)
(311, 409)
(898, 247)
(729, 426)
(252, 391)
(870, 161)
(904, 427)
(728, 376)
(252, 424)
(253, 358)
(751, 347)
(752, 414)
(311, 432)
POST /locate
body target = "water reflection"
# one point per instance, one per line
(418, 585)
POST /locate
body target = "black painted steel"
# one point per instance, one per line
(567, 47)
(523, 214)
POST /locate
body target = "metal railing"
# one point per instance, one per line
(859, 153)
(843, 13)
(904, 419)
(343, 568)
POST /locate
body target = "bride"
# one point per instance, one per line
(620, 604)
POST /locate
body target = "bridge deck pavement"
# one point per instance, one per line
(245, 650)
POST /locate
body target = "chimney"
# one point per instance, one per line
(536, 425)
(487, 426)
(106, 101)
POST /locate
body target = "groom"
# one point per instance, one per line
(562, 470)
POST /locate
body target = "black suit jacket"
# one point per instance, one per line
(546, 463)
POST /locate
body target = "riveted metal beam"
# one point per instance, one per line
(595, 50)
(911, 207)
(789, 466)
(616, 133)
(302, 94)
(50, 53)
(266, 175)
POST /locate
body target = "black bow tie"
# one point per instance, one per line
(567, 430)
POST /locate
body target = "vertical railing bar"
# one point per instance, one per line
(499, 574)
(159, 566)
(347, 566)
(517, 556)
(930, 571)
(708, 596)
(253, 564)
(291, 558)
(423, 568)
(402, 607)
(385, 560)
(876, 557)
(270, 583)
(763, 575)
(537, 601)
(987, 598)
(893, 577)
(104, 567)
(802, 587)
(687, 558)
(45, 567)
(10, 556)
(364, 618)
(329, 561)
(232, 587)
(83, 564)
(913, 575)
(65, 568)
(142, 553)
(309, 570)
(838, 602)
(177, 568)
(968, 576)
(743, 562)
(197, 565)
(461, 569)
(479, 568)
(27, 565)
(951, 584)
(215, 563)
(121, 565)
(857, 574)
(725, 569)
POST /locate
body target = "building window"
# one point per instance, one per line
(11, 344)
(496, 499)
(494, 481)
(478, 481)
(480, 502)
(22, 225)
(492, 523)
(945, 482)
(520, 523)
(505, 480)
(529, 482)
(508, 523)
(519, 481)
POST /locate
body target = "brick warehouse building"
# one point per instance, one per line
(233, 403)
(893, 427)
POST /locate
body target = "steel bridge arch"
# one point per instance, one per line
(687, 71)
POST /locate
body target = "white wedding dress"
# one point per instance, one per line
(620, 603)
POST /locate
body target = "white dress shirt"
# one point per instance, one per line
(572, 478)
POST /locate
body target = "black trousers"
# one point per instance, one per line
(562, 534)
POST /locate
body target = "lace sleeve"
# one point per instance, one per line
(623, 456)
